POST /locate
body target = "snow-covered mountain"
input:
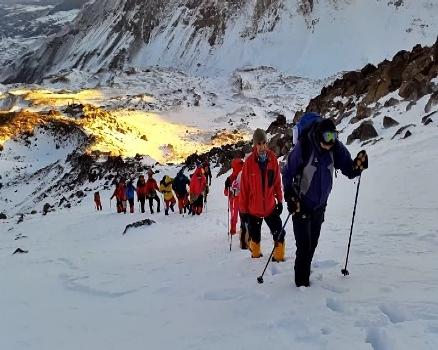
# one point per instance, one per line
(300, 37)
(24, 22)
(70, 280)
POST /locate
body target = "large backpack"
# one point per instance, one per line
(305, 125)
(307, 122)
(180, 184)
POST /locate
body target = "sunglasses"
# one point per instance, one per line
(329, 136)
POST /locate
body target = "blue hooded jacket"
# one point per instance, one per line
(130, 190)
(317, 180)
(180, 183)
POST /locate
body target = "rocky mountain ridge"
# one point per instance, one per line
(209, 37)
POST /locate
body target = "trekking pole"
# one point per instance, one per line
(231, 241)
(228, 201)
(205, 202)
(260, 278)
(344, 271)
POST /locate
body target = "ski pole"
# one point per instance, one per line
(344, 271)
(228, 219)
(231, 241)
(260, 278)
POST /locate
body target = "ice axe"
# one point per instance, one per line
(281, 236)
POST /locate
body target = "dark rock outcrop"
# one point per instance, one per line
(364, 132)
(409, 72)
(389, 122)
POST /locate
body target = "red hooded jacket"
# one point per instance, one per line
(197, 182)
(236, 165)
(259, 190)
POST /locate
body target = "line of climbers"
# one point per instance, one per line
(190, 199)
(256, 188)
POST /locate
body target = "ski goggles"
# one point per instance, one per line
(329, 136)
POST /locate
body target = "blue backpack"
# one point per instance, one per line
(305, 124)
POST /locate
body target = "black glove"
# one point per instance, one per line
(360, 162)
(227, 183)
(244, 218)
(293, 205)
(279, 208)
(293, 202)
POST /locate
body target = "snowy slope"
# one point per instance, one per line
(312, 45)
(176, 285)
(211, 38)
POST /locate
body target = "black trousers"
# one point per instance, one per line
(142, 201)
(208, 176)
(255, 226)
(199, 202)
(151, 202)
(243, 227)
(242, 224)
(307, 228)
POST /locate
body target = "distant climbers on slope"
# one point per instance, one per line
(198, 189)
(166, 189)
(120, 194)
(232, 191)
(97, 201)
(141, 192)
(130, 192)
(180, 183)
(207, 170)
(151, 192)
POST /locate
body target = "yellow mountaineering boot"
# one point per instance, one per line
(279, 251)
(255, 250)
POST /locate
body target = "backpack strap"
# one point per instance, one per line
(307, 153)
(306, 146)
(306, 150)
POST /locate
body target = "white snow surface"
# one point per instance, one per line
(176, 285)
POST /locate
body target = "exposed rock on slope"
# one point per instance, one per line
(408, 72)
(22, 124)
(356, 94)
